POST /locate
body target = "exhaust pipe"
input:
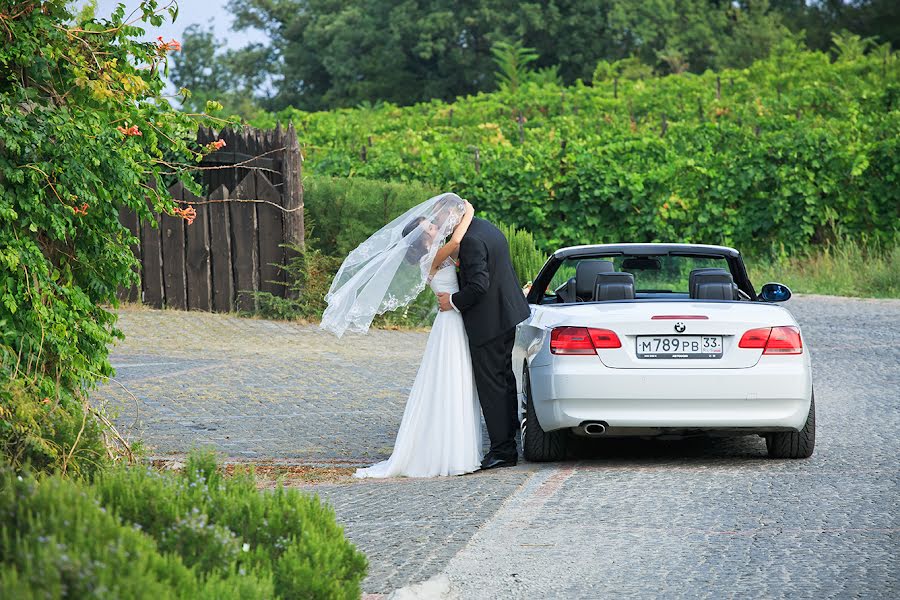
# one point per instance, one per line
(594, 429)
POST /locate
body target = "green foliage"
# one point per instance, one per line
(526, 258)
(84, 130)
(47, 433)
(545, 76)
(138, 533)
(627, 68)
(340, 214)
(845, 267)
(223, 524)
(849, 46)
(781, 153)
(344, 211)
(818, 20)
(309, 274)
(512, 62)
(57, 540)
(205, 71)
(322, 54)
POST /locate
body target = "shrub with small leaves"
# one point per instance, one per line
(85, 131)
(58, 540)
(134, 532)
(526, 258)
(211, 520)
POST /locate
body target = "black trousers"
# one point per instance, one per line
(496, 383)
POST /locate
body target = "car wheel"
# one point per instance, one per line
(795, 444)
(539, 445)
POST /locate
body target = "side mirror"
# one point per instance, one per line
(774, 292)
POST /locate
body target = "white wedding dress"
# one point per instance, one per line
(440, 433)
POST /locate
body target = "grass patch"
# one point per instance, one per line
(846, 267)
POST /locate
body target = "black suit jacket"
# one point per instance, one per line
(490, 296)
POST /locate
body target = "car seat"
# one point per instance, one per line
(581, 287)
(614, 286)
(717, 284)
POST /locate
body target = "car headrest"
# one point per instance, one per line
(714, 285)
(614, 286)
(586, 276)
(692, 278)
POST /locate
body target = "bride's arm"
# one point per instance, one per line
(452, 244)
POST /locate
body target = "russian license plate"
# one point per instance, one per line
(679, 346)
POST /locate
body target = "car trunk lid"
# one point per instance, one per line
(660, 335)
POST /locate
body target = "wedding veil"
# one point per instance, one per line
(390, 269)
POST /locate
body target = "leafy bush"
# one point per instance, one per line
(309, 274)
(204, 516)
(47, 433)
(344, 211)
(526, 258)
(138, 533)
(787, 151)
(57, 540)
(85, 131)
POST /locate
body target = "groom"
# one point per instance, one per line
(492, 304)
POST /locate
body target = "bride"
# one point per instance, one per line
(440, 433)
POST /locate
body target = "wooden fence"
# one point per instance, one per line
(234, 246)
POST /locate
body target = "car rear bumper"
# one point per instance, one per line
(773, 395)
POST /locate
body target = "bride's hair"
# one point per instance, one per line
(418, 247)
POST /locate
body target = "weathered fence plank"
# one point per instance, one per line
(197, 262)
(220, 239)
(271, 254)
(244, 243)
(129, 220)
(172, 230)
(293, 189)
(151, 257)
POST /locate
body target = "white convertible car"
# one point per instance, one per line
(659, 339)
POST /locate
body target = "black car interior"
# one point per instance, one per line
(581, 287)
(614, 286)
(596, 280)
(712, 284)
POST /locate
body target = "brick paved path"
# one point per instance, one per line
(680, 518)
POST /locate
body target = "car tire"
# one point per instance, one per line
(539, 445)
(795, 444)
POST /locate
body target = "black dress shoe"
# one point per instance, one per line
(492, 462)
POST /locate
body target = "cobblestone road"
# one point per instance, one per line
(678, 518)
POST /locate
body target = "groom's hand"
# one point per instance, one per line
(444, 301)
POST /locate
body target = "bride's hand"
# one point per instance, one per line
(469, 209)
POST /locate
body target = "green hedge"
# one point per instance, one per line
(139, 533)
(783, 153)
(343, 211)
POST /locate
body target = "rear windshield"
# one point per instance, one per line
(652, 275)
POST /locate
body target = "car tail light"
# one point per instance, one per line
(784, 340)
(582, 340)
(773, 340)
(604, 338)
(755, 338)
